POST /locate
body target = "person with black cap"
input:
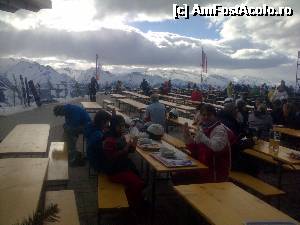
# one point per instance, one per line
(76, 120)
(116, 163)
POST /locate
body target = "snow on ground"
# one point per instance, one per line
(9, 110)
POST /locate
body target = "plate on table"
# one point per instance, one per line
(149, 147)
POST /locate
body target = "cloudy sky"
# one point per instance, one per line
(139, 34)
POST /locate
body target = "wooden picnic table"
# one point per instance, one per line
(227, 204)
(91, 107)
(193, 102)
(283, 153)
(177, 143)
(181, 121)
(181, 96)
(282, 159)
(287, 131)
(158, 167)
(26, 138)
(117, 96)
(178, 106)
(138, 105)
(137, 95)
(21, 182)
(161, 168)
(172, 98)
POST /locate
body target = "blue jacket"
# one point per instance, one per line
(75, 116)
(94, 148)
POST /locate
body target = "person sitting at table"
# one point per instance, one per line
(291, 118)
(260, 122)
(196, 95)
(117, 165)
(228, 116)
(277, 112)
(95, 132)
(280, 93)
(156, 111)
(76, 120)
(197, 118)
(242, 114)
(211, 146)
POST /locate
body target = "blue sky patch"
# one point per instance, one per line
(196, 27)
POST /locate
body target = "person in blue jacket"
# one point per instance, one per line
(76, 121)
(94, 133)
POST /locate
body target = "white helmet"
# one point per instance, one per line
(155, 131)
(173, 113)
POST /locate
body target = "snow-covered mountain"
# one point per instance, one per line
(46, 76)
(36, 72)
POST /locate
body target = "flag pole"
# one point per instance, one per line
(96, 66)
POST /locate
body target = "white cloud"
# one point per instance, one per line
(75, 30)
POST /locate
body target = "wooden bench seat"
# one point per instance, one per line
(58, 170)
(255, 184)
(66, 204)
(110, 195)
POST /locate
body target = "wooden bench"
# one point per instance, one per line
(66, 204)
(255, 184)
(111, 196)
(58, 170)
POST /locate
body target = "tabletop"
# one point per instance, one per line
(26, 138)
(21, 182)
(227, 204)
(288, 131)
(283, 153)
(136, 94)
(159, 167)
(182, 121)
(91, 105)
(117, 96)
(172, 104)
(138, 105)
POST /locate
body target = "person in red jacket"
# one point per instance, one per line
(196, 95)
(211, 146)
(117, 165)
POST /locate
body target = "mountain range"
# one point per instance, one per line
(46, 76)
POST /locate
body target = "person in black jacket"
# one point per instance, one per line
(291, 118)
(94, 87)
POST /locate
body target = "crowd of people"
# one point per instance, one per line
(218, 140)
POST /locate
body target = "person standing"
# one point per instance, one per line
(94, 87)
